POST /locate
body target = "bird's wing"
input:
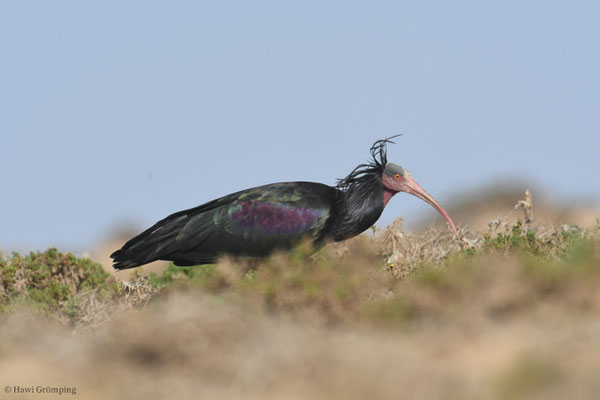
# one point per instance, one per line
(252, 222)
(256, 221)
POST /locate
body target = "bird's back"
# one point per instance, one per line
(253, 223)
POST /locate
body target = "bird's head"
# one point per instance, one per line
(395, 178)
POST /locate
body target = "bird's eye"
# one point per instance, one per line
(397, 177)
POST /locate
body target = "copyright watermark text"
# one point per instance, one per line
(40, 389)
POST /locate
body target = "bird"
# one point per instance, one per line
(255, 222)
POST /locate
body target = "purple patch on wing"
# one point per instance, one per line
(273, 218)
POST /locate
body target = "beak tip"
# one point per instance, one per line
(415, 189)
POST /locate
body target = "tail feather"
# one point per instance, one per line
(122, 260)
(153, 244)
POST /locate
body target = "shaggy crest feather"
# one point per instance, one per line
(364, 172)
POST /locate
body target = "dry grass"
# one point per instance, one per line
(509, 312)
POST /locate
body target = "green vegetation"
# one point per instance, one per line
(343, 283)
(50, 282)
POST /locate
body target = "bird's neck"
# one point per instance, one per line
(358, 208)
(387, 195)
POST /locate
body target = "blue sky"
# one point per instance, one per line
(120, 112)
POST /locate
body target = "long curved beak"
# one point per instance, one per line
(408, 185)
